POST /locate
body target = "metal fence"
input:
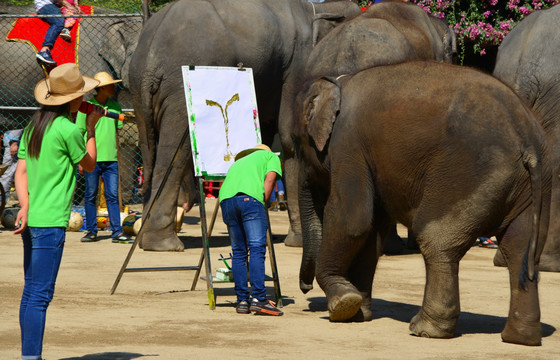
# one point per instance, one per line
(102, 41)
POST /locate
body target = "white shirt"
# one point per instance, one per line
(40, 3)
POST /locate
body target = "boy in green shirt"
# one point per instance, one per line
(107, 166)
(243, 195)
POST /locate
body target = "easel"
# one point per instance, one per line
(205, 254)
(206, 232)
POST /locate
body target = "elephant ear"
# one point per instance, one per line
(323, 24)
(119, 45)
(321, 107)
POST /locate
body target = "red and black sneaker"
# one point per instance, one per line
(242, 307)
(265, 307)
(487, 243)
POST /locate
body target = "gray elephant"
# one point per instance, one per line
(106, 44)
(273, 38)
(360, 42)
(449, 152)
(529, 62)
(387, 33)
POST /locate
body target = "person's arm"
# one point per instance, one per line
(89, 160)
(269, 182)
(22, 191)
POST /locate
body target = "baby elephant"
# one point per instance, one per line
(449, 152)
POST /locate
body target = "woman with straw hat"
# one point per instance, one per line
(107, 166)
(50, 149)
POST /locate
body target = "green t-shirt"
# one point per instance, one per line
(52, 176)
(247, 175)
(105, 130)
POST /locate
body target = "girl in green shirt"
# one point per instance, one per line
(50, 150)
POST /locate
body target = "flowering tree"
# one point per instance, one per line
(481, 23)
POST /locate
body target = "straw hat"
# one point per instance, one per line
(246, 152)
(105, 78)
(64, 84)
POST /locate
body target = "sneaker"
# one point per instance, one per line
(65, 35)
(487, 243)
(122, 239)
(265, 307)
(89, 237)
(242, 307)
(45, 56)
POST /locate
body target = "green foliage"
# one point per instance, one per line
(128, 6)
(480, 24)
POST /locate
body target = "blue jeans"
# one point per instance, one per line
(278, 188)
(42, 252)
(246, 222)
(56, 24)
(109, 172)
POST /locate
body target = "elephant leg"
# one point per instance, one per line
(442, 245)
(362, 271)
(440, 309)
(312, 231)
(347, 227)
(523, 323)
(393, 243)
(158, 232)
(550, 257)
(294, 237)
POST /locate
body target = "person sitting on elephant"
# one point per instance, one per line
(69, 22)
(51, 7)
(243, 195)
(107, 166)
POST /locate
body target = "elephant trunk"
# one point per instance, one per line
(312, 233)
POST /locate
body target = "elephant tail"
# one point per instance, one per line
(539, 223)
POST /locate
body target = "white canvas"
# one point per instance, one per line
(223, 116)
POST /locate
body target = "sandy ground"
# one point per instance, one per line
(154, 315)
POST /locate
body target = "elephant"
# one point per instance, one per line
(273, 38)
(386, 33)
(528, 61)
(158, 89)
(449, 152)
(106, 44)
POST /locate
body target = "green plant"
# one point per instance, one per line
(480, 23)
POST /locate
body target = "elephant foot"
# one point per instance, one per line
(550, 262)
(305, 287)
(293, 239)
(424, 326)
(364, 314)
(499, 259)
(153, 242)
(344, 303)
(522, 333)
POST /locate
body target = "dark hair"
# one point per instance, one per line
(39, 123)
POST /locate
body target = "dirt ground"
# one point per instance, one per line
(154, 315)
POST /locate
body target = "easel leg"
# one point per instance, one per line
(273, 266)
(206, 248)
(201, 260)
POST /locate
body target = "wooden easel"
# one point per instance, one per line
(205, 254)
(206, 232)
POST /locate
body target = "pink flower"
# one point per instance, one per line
(524, 10)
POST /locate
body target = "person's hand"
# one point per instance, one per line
(80, 169)
(93, 117)
(21, 221)
(14, 148)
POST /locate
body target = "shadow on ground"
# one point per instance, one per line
(469, 323)
(110, 356)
